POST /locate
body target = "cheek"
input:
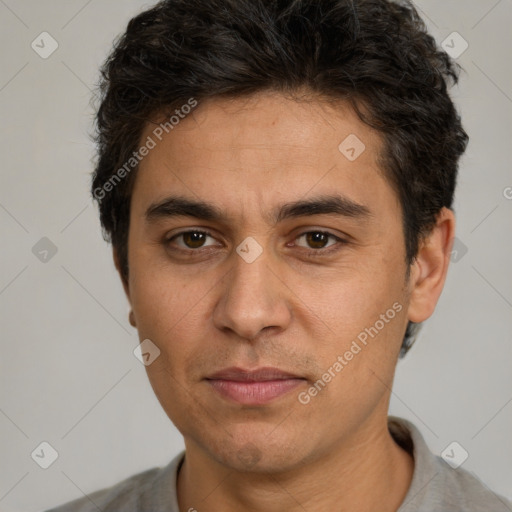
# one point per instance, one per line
(175, 312)
(358, 367)
(348, 301)
(162, 299)
(174, 395)
(364, 310)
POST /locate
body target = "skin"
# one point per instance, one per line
(210, 309)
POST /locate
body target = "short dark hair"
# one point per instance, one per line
(375, 54)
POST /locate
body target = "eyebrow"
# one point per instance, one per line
(178, 206)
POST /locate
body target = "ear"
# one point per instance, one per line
(118, 267)
(428, 272)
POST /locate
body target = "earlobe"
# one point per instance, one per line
(430, 267)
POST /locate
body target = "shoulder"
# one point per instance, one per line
(462, 490)
(458, 490)
(438, 486)
(137, 493)
(121, 496)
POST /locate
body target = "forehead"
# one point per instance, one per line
(260, 147)
(264, 121)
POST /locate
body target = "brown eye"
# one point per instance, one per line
(317, 239)
(190, 240)
(193, 239)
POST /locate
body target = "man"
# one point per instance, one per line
(276, 178)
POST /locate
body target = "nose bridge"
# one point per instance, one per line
(250, 278)
(251, 298)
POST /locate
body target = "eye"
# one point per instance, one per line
(191, 239)
(319, 240)
(196, 239)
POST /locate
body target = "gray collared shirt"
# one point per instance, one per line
(435, 486)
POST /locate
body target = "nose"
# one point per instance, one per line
(252, 298)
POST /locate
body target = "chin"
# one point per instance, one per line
(259, 454)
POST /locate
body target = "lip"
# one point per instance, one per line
(253, 387)
(262, 374)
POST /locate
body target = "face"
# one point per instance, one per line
(297, 264)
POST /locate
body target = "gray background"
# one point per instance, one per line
(69, 376)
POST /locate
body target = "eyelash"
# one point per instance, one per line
(311, 253)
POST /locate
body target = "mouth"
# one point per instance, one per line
(253, 387)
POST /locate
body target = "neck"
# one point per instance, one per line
(365, 472)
